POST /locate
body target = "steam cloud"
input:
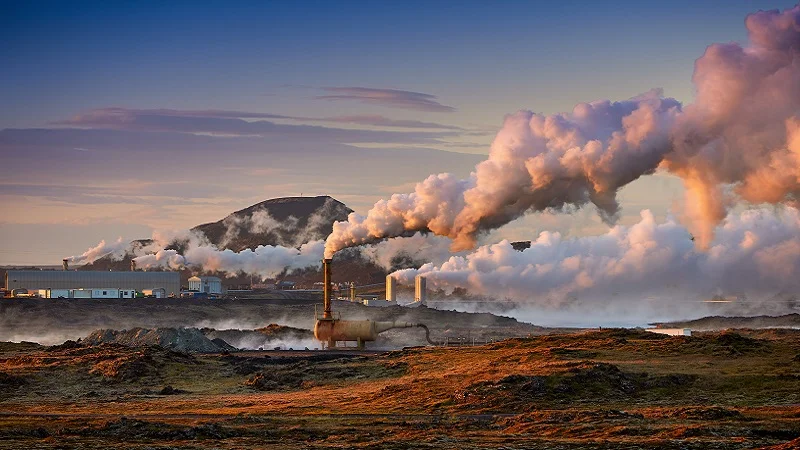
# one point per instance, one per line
(740, 140)
(755, 253)
(114, 249)
(265, 260)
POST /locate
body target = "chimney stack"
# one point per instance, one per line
(65, 263)
(133, 265)
(420, 289)
(326, 289)
(391, 288)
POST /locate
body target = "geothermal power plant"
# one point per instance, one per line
(330, 328)
(400, 225)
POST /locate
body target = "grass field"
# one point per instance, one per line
(601, 389)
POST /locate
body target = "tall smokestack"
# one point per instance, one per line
(352, 291)
(391, 288)
(65, 263)
(133, 265)
(326, 288)
(420, 289)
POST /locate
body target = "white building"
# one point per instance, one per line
(155, 292)
(81, 293)
(209, 285)
(54, 293)
(105, 293)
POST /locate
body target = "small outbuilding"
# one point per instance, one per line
(208, 285)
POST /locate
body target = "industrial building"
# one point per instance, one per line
(671, 331)
(110, 282)
(208, 285)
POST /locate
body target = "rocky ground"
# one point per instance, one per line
(51, 321)
(599, 389)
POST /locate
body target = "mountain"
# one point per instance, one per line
(287, 221)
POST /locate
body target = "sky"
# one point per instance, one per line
(119, 120)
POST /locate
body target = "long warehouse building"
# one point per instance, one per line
(33, 280)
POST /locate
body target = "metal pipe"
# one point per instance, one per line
(326, 289)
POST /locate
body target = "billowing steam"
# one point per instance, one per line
(265, 260)
(419, 248)
(754, 254)
(740, 140)
(116, 250)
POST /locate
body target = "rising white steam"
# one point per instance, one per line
(419, 247)
(116, 250)
(740, 141)
(754, 254)
(265, 260)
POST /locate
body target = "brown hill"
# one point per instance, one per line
(287, 221)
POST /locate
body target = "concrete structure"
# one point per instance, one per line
(671, 331)
(209, 285)
(391, 288)
(55, 293)
(33, 280)
(420, 289)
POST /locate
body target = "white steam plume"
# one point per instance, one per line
(754, 254)
(116, 250)
(742, 132)
(265, 260)
(420, 247)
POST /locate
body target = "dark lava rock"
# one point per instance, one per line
(10, 382)
(710, 413)
(169, 390)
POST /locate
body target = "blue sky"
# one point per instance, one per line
(75, 178)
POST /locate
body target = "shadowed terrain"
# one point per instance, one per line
(598, 389)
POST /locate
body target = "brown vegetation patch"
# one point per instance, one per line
(11, 382)
(309, 373)
(704, 413)
(587, 383)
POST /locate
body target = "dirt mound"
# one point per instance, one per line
(727, 343)
(189, 340)
(309, 373)
(131, 429)
(525, 422)
(142, 365)
(588, 382)
(10, 382)
(268, 337)
(712, 323)
(628, 333)
(703, 413)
